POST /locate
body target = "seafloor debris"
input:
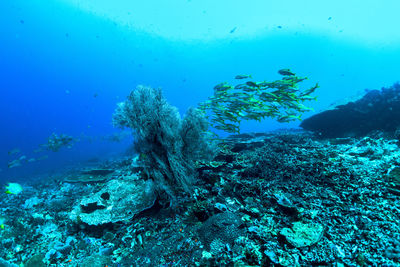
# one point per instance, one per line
(283, 199)
(377, 110)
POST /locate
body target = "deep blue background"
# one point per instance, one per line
(54, 60)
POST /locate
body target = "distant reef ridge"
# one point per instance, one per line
(378, 110)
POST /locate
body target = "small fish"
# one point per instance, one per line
(289, 118)
(37, 150)
(269, 95)
(13, 164)
(31, 160)
(250, 88)
(307, 97)
(253, 84)
(95, 95)
(286, 72)
(289, 97)
(252, 101)
(292, 104)
(67, 92)
(13, 188)
(242, 76)
(233, 30)
(228, 128)
(14, 151)
(266, 84)
(240, 86)
(254, 116)
(310, 91)
(302, 107)
(42, 157)
(222, 87)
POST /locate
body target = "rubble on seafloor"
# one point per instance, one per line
(267, 199)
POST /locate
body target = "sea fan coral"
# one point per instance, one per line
(168, 145)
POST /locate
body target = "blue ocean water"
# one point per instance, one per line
(63, 69)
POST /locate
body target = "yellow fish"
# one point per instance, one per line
(13, 188)
(2, 221)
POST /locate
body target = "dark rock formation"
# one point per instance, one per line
(377, 110)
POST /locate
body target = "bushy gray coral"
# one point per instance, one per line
(167, 144)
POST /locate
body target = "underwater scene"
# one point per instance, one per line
(199, 133)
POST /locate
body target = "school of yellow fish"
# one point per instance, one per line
(281, 99)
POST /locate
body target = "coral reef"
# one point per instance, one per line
(267, 199)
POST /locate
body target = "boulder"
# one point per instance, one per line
(118, 201)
